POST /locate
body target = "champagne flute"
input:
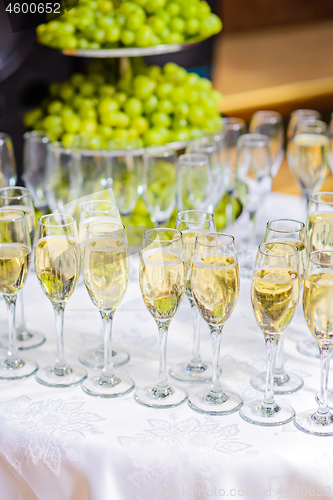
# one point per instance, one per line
(270, 123)
(15, 250)
(192, 223)
(159, 183)
(34, 160)
(193, 182)
(57, 265)
(274, 295)
(296, 117)
(284, 231)
(310, 159)
(106, 272)
(162, 283)
(215, 288)
(8, 175)
(92, 212)
(318, 312)
(18, 198)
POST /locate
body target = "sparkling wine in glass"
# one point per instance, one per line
(215, 288)
(15, 250)
(192, 223)
(296, 117)
(275, 293)
(106, 273)
(18, 198)
(162, 283)
(57, 265)
(294, 232)
(318, 312)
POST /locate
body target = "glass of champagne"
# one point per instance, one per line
(57, 265)
(159, 183)
(18, 198)
(274, 295)
(8, 175)
(318, 312)
(106, 273)
(162, 283)
(296, 117)
(192, 223)
(34, 161)
(270, 123)
(284, 231)
(92, 212)
(215, 288)
(310, 163)
(193, 182)
(15, 250)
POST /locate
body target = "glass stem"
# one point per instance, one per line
(101, 343)
(108, 371)
(271, 348)
(325, 357)
(60, 367)
(216, 386)
(279, 362)
(196, 358)
(12, 354)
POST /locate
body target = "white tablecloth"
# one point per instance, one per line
(61, 444)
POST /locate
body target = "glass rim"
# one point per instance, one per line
(160, 230)
(253, 140)
(211, 216)
(8, 209)
(233, 119)
(127, 150)
(314, 195)
(59, 147)
(305, 111)
(101, 223)
(320, 252)
(36, 134)
(285, 230)
(215, 234)
(4, 137)
(159, 152)
(266, 112)
(193, 159)
(25, 192)
(82, 207)
(270, 242)
(312, 123)
(60, 215)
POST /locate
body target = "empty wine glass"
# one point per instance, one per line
(57, 265)
(274, 295)
(270, 123)
(18, 198)
(159, 183)
(294, 232)
(15, 250)
(192, 223)
(34, 162)
(193, 182)
(106, 274)
(162, 283)
(8, 175)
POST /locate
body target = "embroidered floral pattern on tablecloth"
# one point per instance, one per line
(43, 430)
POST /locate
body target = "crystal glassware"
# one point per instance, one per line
(34, 161)
(8, 175)
(18, 198)
(296, 117)
(294, 232)
(15, 250)
(57, 265)
(192, 223)
(318, 312)
(274, 295)
(106, 274)
(193, 182)
(215, 288)
(162, 283)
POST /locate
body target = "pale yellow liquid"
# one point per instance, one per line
(310, 159)
(189, 245)
(301, 250)
(162, 282)
(106, 271)
(274, 296)
(30, 216)
(320, 232)
(57, 266)
(318, 305)
(215, 286)
(14, 265)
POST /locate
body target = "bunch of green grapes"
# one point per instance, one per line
(95, 24)
(153, 107)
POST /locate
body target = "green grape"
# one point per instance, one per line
(39, 125)
(196, 133)
(165, 35)
(211, 25)
(87, 88)
(105, 131)
(132, 134)
(164, 90)
(31, 117)
(216, 95)
(157, 24)
(153, 137)
(66, 111)
(182, 110)
(143, 36)
(53, 26)
(51, 122)
(112, 33)
(125, 85)
(120, 133)
(143, 86)
(178, 25)
(133, 107)
(88, 125)
(154, 72)
(140, 124)
(173, 8)
(182, 134)
(97, 78)
(54, 107)
(192, 79)
(105, 6)
(66, 42)
(135, 20)
(165, 106)
(94, 46)
(128, 7)
(196, 115)
(190, 9)
(54, 89)
(192, 95)
(154, 5)
(120, 19)
(71, 124)
(107, 105)
(205, 84)
(82, 43)
(192, 26)
(209, 106)
(121, 98)
(118, 119)
(163, 14)
(93, 141)
(150, 104)
(179, 123)
(42, 28)
(68, 140)
(155, 40)
(107, 90)
(204, 10)
(127, 37)
(65, 29)
(104, 22)
(178, 95)
(161, 120)
(87, 113)
(77, 101)
(175, 38)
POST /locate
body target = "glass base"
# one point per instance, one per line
(284, 384)
(100, 388)
(255, 414)
(13, 370)
(171, 397)
(308, 348)
(25, 340)
(192, 372)
(94, 358)
(304, 422)
(72, 376)
(223, 405)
